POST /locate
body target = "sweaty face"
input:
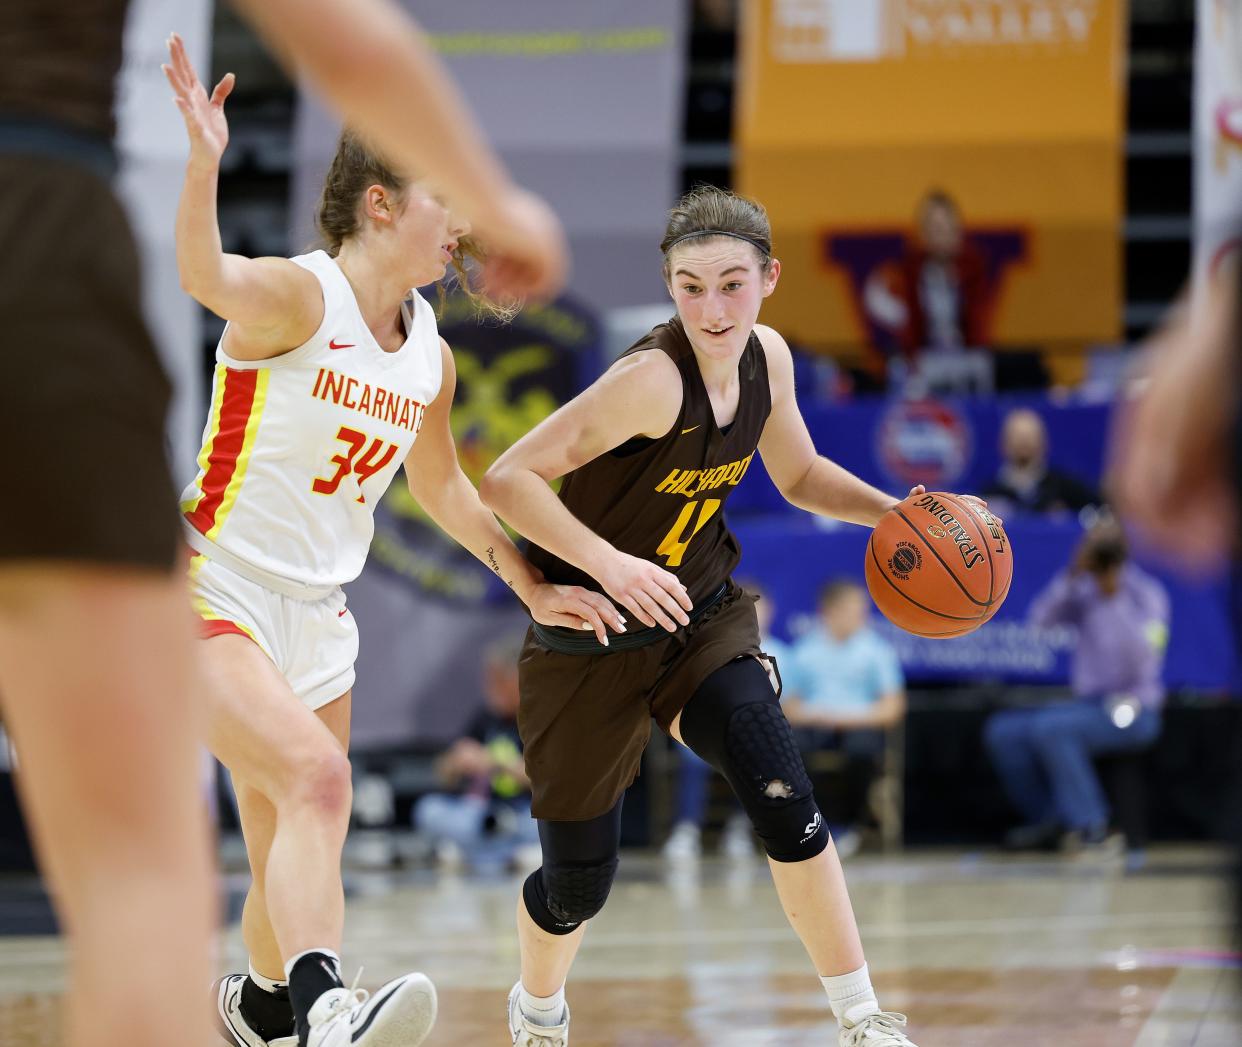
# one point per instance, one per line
(428, 234)
(718, 285)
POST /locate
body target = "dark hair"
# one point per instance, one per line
(354, 169)
(831, 593)
(939, 198)
(707, 209)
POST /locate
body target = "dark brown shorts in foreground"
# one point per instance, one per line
(585, 719)
(83, 395)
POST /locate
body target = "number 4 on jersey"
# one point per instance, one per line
(676, 542)
(378, 455)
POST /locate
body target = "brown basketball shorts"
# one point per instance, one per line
(585, 719)
(83, 395)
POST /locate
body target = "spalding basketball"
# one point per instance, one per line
(938, 566)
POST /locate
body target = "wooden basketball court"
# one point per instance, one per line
(980, 951)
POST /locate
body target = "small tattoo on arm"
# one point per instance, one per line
(495, 566)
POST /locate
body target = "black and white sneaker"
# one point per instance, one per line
(232, 1024)
(400, 1014)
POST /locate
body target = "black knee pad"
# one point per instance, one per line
(579, 865)
(735, 723)
(764, 766)
(561, 898)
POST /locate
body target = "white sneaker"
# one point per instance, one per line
(400, 1014)
(847, 843)
(683, 843)
(738, 842)
(526, 1033)
(882, 1029)
(231, 1023)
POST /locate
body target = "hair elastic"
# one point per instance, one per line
(720, 232)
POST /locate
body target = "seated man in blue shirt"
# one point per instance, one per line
(843, 688)
(1044, 756)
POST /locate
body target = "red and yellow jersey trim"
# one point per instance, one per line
(236, 410)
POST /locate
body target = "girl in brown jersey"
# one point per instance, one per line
(649, 454)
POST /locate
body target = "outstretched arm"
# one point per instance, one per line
(804, 477)
(272, 304)
(374, 65)
(438, 484)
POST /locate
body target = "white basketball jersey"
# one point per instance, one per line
(298, 449)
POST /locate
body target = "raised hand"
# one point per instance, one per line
(573, 607)
(204, 116)
(654, 595)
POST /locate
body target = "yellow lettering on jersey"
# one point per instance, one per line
(676, 542)
(690, 476)
(669, 483)
(745, 467)
(692, 482)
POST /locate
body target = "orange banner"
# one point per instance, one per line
(851, 111)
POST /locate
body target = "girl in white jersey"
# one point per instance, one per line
(330, 375)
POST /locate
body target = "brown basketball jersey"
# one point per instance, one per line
(663, 500)
(58, 60)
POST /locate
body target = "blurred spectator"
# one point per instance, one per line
(943, 283)
(843, 689)
(1044, 756)
(694, 776)
(483, 816)
(1026, 482)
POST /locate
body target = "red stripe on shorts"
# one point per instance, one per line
(208, 628)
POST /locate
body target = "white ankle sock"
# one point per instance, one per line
(851, 995)
(267, 984)
(542, 1010)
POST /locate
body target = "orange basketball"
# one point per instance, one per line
(938, 566)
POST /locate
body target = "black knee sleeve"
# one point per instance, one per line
(735, 723)
(579, 866)
(560, 900)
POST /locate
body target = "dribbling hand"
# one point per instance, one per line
(973, 499)
(573, 607)
(653, 595)
(204, 116)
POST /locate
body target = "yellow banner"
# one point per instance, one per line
(851, 111)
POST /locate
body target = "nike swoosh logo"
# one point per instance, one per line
(376, 1004)
(334, 344)
(690, 430)
(340, 614)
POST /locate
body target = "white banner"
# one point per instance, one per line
(152, 146)
(1217, 133)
